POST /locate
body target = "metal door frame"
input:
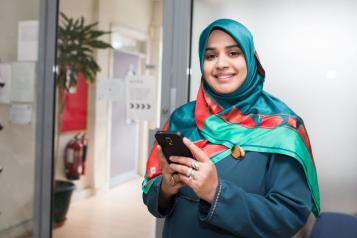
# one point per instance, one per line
(45, 118)
(176, 63)
(176, 58)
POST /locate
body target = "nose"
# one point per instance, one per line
(221, 62)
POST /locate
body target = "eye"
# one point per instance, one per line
(235, 53)
(210, 56)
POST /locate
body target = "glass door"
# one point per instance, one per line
(98, 189)
(26, 120)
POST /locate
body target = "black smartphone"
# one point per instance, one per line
(172, 144)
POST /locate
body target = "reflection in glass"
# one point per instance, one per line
(18, 64)
(106, 199)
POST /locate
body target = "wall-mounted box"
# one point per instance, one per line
(22, 81)
(27, 41)
(21, 114)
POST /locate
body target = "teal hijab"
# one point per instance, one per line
(253, 85)
(249, 97)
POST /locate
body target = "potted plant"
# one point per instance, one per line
(75, 47)
(76, 44)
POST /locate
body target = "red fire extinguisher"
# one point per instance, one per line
(75, 157)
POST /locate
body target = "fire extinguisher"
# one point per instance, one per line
(74, 157)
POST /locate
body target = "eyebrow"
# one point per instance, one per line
(229, 46)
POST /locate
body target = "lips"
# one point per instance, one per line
(223, 78)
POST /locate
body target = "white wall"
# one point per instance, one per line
(86, 8)
(302, 45)
(17, 142)
(10, 13)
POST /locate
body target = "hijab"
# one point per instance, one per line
(248, 117)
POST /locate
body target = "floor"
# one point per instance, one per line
(119, 212)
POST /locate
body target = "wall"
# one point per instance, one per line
(17, 178)
(308, 51)
(10, 13)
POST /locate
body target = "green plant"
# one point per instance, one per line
(76, 44)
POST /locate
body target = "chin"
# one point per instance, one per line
(225, 89)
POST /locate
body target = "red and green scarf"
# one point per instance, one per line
(249, 117)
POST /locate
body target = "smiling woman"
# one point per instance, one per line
(252, 172)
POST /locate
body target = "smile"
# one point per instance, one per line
(224, 78)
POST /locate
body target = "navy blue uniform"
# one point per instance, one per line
(262, 195)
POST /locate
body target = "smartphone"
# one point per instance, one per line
(172, 144)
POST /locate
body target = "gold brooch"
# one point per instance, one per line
(238, 152)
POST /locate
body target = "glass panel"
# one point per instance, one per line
(18, 62)
(98, 175)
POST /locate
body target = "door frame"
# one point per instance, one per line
(176, 64)
(45, 119)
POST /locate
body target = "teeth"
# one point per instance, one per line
(224, 76)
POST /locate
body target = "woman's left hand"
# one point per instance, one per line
(200, 173)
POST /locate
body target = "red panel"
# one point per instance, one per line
(236, 116)
(271, 121)
(74, 116)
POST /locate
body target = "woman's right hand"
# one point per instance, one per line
(170, 184)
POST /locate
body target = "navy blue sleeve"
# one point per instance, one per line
(280, 212)
(151, 200)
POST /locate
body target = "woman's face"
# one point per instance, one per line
(224, 65)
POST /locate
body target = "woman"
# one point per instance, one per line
(253, 173)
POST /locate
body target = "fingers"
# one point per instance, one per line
(182, 160)
(185, 180)
(199, 154)
(161, 155)
(181, 169)
(178, 181)
(176, 178)
(164, 164)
